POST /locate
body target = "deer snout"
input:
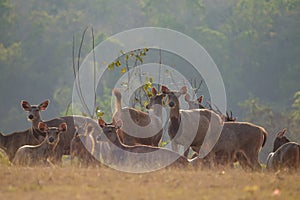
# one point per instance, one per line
(51, 139)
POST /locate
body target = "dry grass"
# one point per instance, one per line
(105, 183)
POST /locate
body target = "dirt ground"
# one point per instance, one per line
(105, 183)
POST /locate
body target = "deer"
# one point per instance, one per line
(83, 147)
(191, 128)
(11, 142)
(143, 154)
(30, 155)
(194, 104)
(145, 128)
(63, 147)
(239, 141)
(233, 142)
(286, 154)
(197, 104)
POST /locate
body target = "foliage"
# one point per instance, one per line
(262, 114)
(254, 43)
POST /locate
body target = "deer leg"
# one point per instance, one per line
(186, 152)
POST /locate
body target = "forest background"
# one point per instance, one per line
(254, 43)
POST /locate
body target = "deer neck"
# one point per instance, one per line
(118, 142)
(37, 134)
(174, 112)
(175, 120)
(279, 142)
(35, 122)
(157, 110)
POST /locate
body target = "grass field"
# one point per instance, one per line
(105, 183)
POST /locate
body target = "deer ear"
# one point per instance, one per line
(119, 124)
(101, 122)
(154, 92)
(283, 131)
(183, 90)
(280, 133)
(187, 97)
(164, 89)
(200, 99)
(43, 127)
(25, 105)
(44, 105)
(62, 127)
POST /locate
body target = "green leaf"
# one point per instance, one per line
(146, 103)
(123, 70)
(99, 112)
(139, 58)
(145, 87)
(111, 66)
(118, 63)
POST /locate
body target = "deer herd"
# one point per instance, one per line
(208, 137)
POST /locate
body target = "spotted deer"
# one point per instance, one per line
(30, 155)
(63, 147)
(144, 128)
(286, 154)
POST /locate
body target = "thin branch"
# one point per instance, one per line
(78, 79)
(94, 60)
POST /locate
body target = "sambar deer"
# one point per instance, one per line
(194, 104)
(83, 147)
(11, 142)
(195, 128)
(63, 147)
(139, 155)
(286, 154)
(30, 155)
(239, 141)
(144, 128)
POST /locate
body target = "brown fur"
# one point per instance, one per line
(239, 141)
(140, 119)
(30, 155)
(63, 147)
(285, 154)
(190, 127)
(83, 147)
(10, 143)
(120, 151)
